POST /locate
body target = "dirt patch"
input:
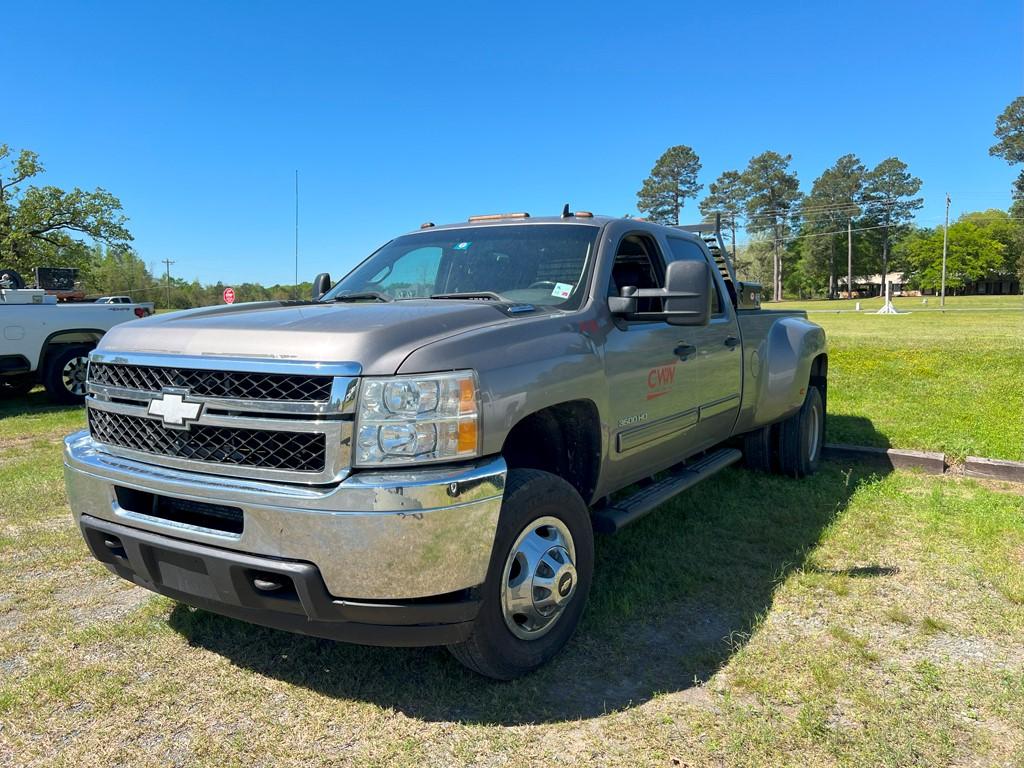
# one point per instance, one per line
(91, 601)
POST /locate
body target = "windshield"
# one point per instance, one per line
(542, 264)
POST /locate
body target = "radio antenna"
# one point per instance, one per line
(295, 288)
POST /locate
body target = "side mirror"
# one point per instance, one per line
(686, 297)
(321, 285)
(688, 287)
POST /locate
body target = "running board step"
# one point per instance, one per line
(625, 511)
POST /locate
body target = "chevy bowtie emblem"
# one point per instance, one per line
(174, 409)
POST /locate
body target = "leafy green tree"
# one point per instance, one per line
(673, 180)
(889, 203)
(772, 192)
(973, 254)
(725, 196)
(41, 226)
(833, 201)
(119, 271)
(1009, 231)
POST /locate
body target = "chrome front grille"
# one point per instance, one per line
(267, 420)
(238, 385)
(295, 451)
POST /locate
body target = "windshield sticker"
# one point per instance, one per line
(462, 246)
(562, 290)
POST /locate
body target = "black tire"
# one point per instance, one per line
(18, 385)
(53, 375)
(492, 649)
(759, 449)
(802, 436)
(9, 275)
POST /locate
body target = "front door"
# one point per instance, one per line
(718, 365)
(651, 369)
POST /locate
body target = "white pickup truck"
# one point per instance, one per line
(42, 341)
(147, 306)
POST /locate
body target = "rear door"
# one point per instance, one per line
(654, 391)
(719, 361)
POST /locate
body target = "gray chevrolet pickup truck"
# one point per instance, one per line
(421, 453)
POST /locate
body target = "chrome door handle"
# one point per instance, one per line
(685, 351)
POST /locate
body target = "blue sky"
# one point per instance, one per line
(198, 114)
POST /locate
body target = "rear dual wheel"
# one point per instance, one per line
(791, 447)
(802, 436)
(539, 577)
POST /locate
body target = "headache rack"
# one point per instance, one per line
(744, 294)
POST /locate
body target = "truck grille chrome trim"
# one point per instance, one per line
(277, 421)
(214, 383)
(295, 451)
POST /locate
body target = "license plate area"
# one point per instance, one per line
(218, 518)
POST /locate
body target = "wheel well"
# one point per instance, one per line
(563, 439)
(57, 341)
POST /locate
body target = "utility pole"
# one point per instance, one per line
(945, 249)
(295, 290)
(849, 257)
(167, 263)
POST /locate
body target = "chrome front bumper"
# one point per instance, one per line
(391, 535)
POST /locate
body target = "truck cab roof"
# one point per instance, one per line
(525, 220)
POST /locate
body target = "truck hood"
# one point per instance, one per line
(376, 336)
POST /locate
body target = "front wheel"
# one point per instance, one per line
(539, 577)
(64, 377)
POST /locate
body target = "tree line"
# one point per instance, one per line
(119, 271)
(799, 242)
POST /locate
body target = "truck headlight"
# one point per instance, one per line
(405, 419)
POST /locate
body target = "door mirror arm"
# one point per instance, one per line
(686, 297)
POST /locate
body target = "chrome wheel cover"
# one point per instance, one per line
(73, 375)
(814, 438)
(539, 579)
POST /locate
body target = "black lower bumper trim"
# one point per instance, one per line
(293, 596)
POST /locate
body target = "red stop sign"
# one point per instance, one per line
(229, 295)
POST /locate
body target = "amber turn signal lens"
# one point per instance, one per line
(467, 436)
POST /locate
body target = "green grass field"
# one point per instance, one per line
(941, 381)
(850, 619)
(855, 618)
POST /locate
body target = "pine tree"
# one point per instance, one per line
(673, 180)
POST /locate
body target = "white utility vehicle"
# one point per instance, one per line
(147, 306)
(42, 341)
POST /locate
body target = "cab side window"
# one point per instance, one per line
(638, 263)
(689, 250)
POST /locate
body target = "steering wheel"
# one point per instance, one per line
(543, 284)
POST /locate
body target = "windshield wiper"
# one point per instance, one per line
(358, 295)
(470, 295)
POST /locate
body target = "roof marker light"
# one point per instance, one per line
(496, 216)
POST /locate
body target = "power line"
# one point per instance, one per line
(839, 207)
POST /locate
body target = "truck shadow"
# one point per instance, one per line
(854, 430)
(34, 403)
(674, 597)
